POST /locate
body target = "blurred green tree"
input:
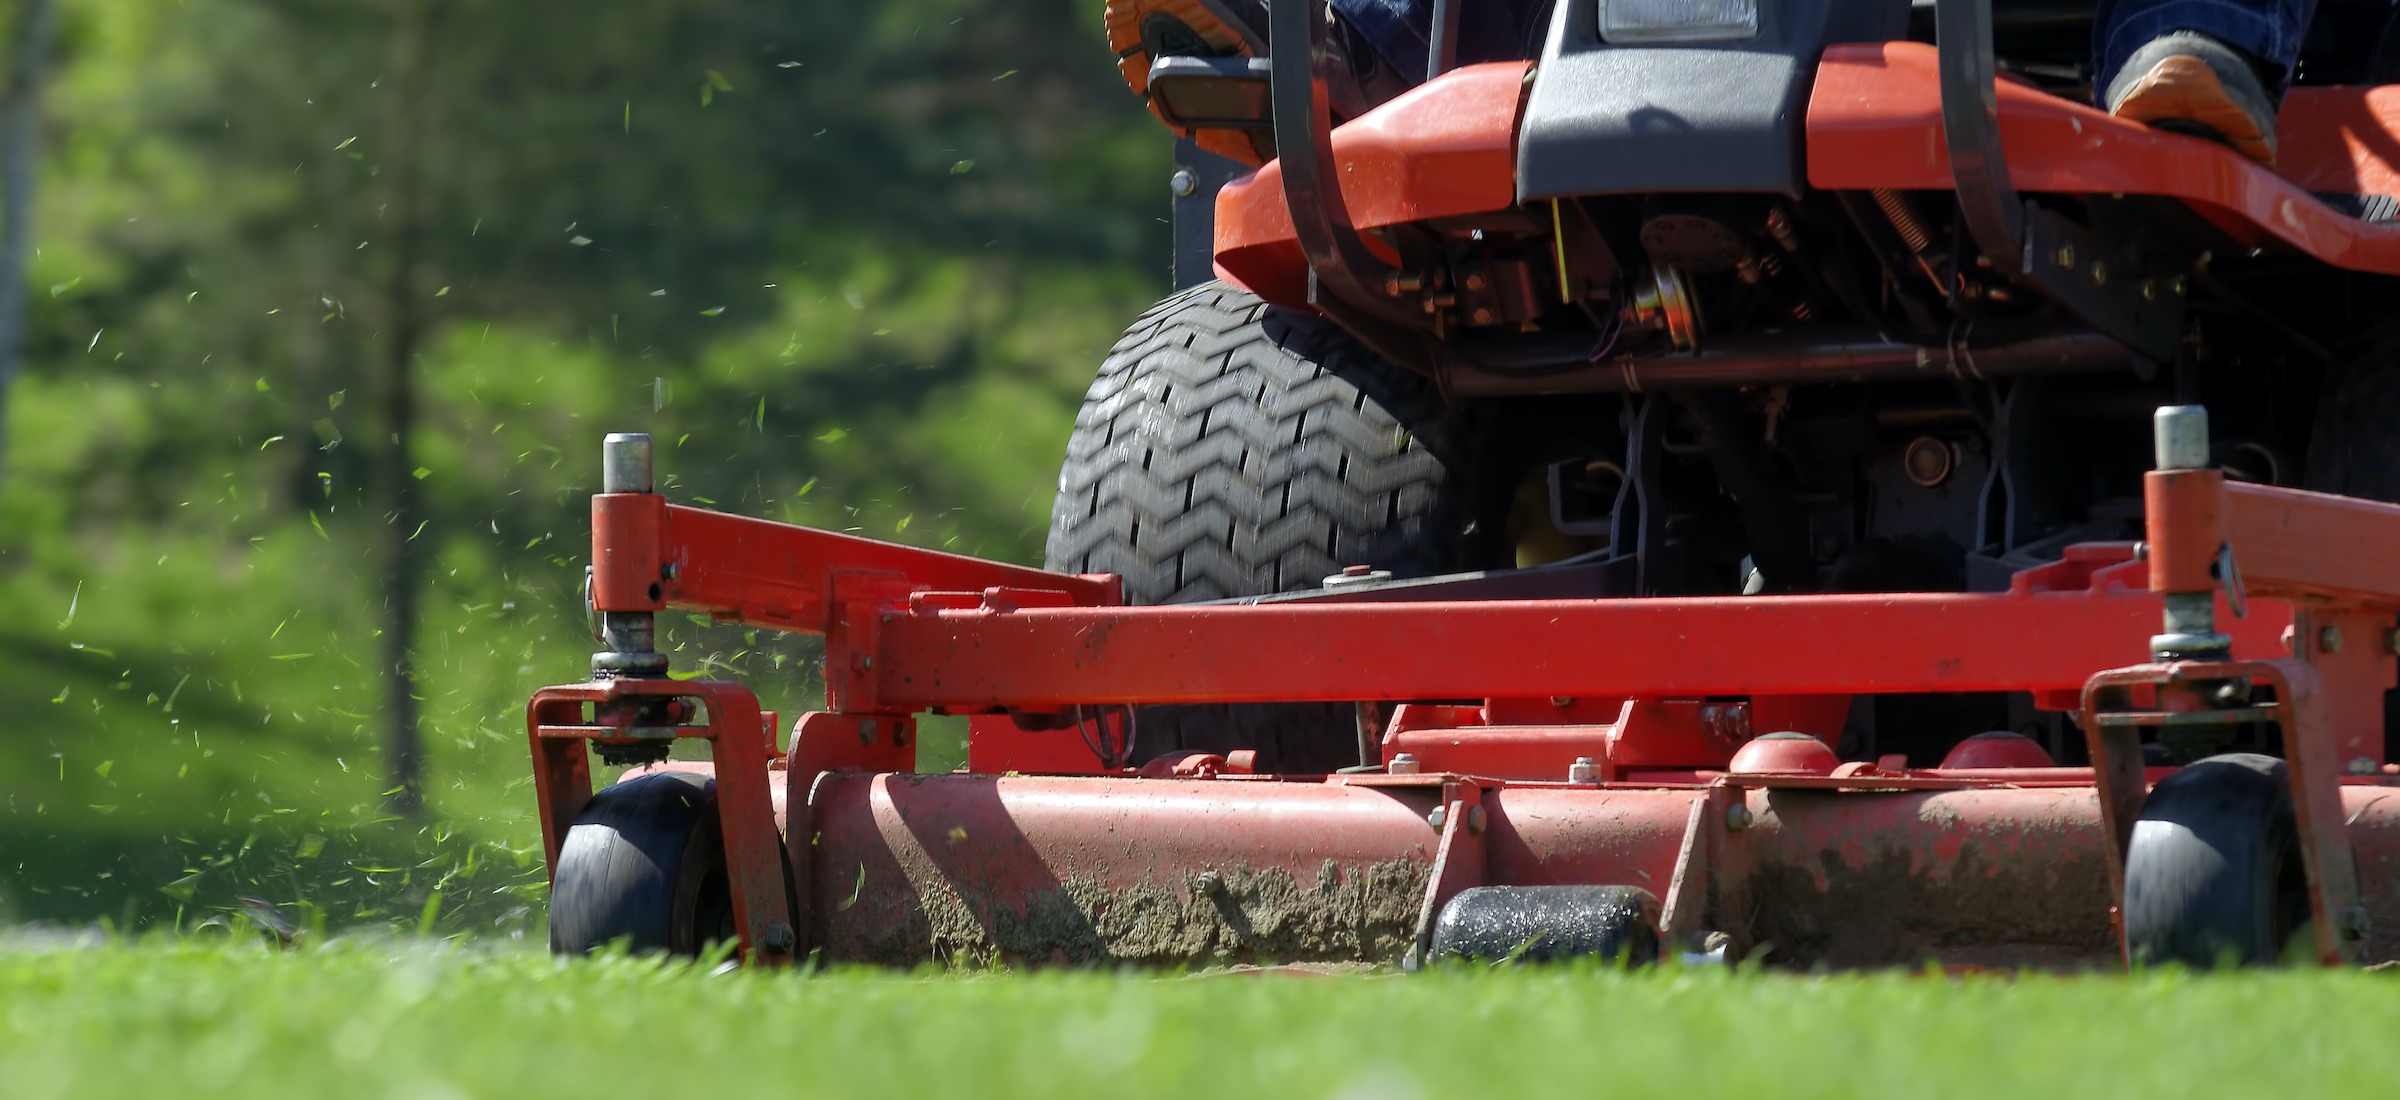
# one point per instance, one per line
(332, 300)
(20, 125)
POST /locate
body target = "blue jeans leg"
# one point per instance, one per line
(2269, 30)
(1489, 30)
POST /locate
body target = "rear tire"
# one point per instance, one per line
(644, 863)
(2352, 449)
(1234, 448)
(2214, 875)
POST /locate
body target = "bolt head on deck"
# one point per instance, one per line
(1358, 575)
(1403, 764)
(780, 939)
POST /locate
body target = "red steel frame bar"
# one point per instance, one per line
(995, 646)
(1634, 648)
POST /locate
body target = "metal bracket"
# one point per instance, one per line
(1458, 861)
(741, 748)
(2109, 280)
(2309, 752)
(1198, 176)
(2114, 281)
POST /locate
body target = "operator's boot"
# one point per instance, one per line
(2193, 84)
(1142, 31)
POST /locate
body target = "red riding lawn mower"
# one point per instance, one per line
(1800, 488)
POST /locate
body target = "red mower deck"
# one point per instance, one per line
(1609, 742)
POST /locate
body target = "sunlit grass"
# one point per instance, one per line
(417, 1018)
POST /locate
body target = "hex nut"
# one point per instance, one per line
(1403, 764)
(1737, 817)
(1439, 817)
(779, 938)
(2329, 639)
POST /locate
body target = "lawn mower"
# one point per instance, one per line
(1798, 488)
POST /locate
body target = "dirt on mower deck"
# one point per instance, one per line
(1882, 904)
(1250, 916)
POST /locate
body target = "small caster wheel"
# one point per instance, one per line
(644, 863)
(2214, 876)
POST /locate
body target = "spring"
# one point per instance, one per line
(1912, 231)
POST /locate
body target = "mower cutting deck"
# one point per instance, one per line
(1617, 743)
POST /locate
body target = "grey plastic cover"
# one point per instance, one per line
(1701, 116)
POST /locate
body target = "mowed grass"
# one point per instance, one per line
(413, 1019)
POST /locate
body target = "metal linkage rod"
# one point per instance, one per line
(629, 638)
(2183, 504)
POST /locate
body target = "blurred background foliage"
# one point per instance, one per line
(852, 265)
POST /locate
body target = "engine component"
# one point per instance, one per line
(1928, 461)
(1663, 299)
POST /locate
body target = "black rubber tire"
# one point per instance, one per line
(2214, 874)
(1233, 448)
(644, 863)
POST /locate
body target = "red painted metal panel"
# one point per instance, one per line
(779, 574)
(2340, 139)
(1443, 149)
(2292, 543)
(2191, 505)
(1874, 121)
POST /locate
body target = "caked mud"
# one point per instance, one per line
(1234, 915)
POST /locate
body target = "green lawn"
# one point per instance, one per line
(411, 1018)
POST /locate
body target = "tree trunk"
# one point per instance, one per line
(20, 142)
(404, 749)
